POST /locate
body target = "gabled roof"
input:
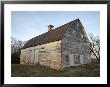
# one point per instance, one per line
(51, 36)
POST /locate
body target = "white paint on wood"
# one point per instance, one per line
(71, 59)
(82, 36)
(36, 58)
(81, 59)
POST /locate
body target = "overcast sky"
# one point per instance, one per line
(28, 24)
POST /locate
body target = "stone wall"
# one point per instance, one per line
(75, 42)
(46, 54)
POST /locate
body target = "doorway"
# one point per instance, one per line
(36, 56)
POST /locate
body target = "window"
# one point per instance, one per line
(42, 48)
(67, 58)
(81, 35)
(76, 59)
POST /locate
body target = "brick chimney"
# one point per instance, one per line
(50, 27)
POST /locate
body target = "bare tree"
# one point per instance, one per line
(16, 46)
(95, 46)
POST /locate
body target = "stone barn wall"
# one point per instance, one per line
(46, 54)
(75, 44)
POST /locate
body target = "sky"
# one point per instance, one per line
(28, 24)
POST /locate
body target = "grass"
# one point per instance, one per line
(90, 70)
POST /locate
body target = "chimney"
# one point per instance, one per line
(50, 27)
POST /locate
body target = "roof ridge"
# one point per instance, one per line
(66, 24)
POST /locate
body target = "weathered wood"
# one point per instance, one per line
(47, 54)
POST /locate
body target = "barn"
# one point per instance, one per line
(64, 46)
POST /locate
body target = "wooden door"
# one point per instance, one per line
(36, 57)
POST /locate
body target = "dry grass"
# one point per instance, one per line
(90, 70)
